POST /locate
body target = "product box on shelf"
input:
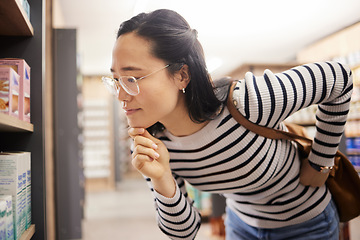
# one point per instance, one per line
(26, 7)
(9, 222)
(27, 166)
(2, 220)
(13, 170)
(9, 91)
(23, 69)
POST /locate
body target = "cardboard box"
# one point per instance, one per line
(9, 221)
(23, 69)
(25, 164)
(26, 7)
(12, 169)
(2, 220)
(9, 91)
(27, 168)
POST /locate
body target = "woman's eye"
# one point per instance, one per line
(131, 79)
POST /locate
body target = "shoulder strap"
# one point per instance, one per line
(260, 130)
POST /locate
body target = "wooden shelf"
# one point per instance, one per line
(14, 20)
(13, 124)
(27, 235)
(353, 152)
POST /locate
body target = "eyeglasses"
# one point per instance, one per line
(128, 83)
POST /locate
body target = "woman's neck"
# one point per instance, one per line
(181, 125)
(182, 130)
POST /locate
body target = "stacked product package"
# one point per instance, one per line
(26, 7)
(2, 220)
(15, 88)
(15, 194)
(9, 91)
(6, 221)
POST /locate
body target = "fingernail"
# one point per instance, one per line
(154, 146)
(157, 155)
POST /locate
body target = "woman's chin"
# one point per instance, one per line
(133, 124)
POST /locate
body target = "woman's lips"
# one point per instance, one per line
(129, 111)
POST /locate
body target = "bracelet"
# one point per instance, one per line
(322, 169)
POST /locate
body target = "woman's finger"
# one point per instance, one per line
(133, 132)
(147, 166)
(139, 160)
(146, 142)
(149, 136)
(141, 136)
(142, 150)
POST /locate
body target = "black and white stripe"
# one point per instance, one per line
(259, 176)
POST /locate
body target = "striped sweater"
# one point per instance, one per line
(258, 176)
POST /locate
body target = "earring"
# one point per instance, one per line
(183, 90)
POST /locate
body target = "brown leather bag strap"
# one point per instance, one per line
(260, 130)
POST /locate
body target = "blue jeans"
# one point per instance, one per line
(324, 226)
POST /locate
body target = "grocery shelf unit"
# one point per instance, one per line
(21, 39)
(67, 157)
(98, 135)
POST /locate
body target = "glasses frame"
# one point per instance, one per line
(119, 83)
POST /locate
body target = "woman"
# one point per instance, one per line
(182, 130)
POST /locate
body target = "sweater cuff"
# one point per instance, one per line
(166, 199)
(170, 205)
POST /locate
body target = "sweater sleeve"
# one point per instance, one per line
(269, 99)
(176, 216)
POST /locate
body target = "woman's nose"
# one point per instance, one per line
(122, 94)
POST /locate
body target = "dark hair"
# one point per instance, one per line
(176, 43)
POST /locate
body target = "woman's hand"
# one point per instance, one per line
(151, 158)
(310, 177)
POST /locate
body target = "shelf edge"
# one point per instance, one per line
(13, 124)
(27, 235)
(10, 27)
(25, 18)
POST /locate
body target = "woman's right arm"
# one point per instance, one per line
(176, 215)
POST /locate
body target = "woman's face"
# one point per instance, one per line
(159, 97)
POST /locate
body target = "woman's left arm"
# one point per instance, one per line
(271, 98)
(329, 85)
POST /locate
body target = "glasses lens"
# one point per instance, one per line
(110, 85)
(130, 85)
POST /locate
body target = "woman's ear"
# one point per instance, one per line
(183, 77)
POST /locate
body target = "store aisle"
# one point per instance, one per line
(128, 214)
(125, 214)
